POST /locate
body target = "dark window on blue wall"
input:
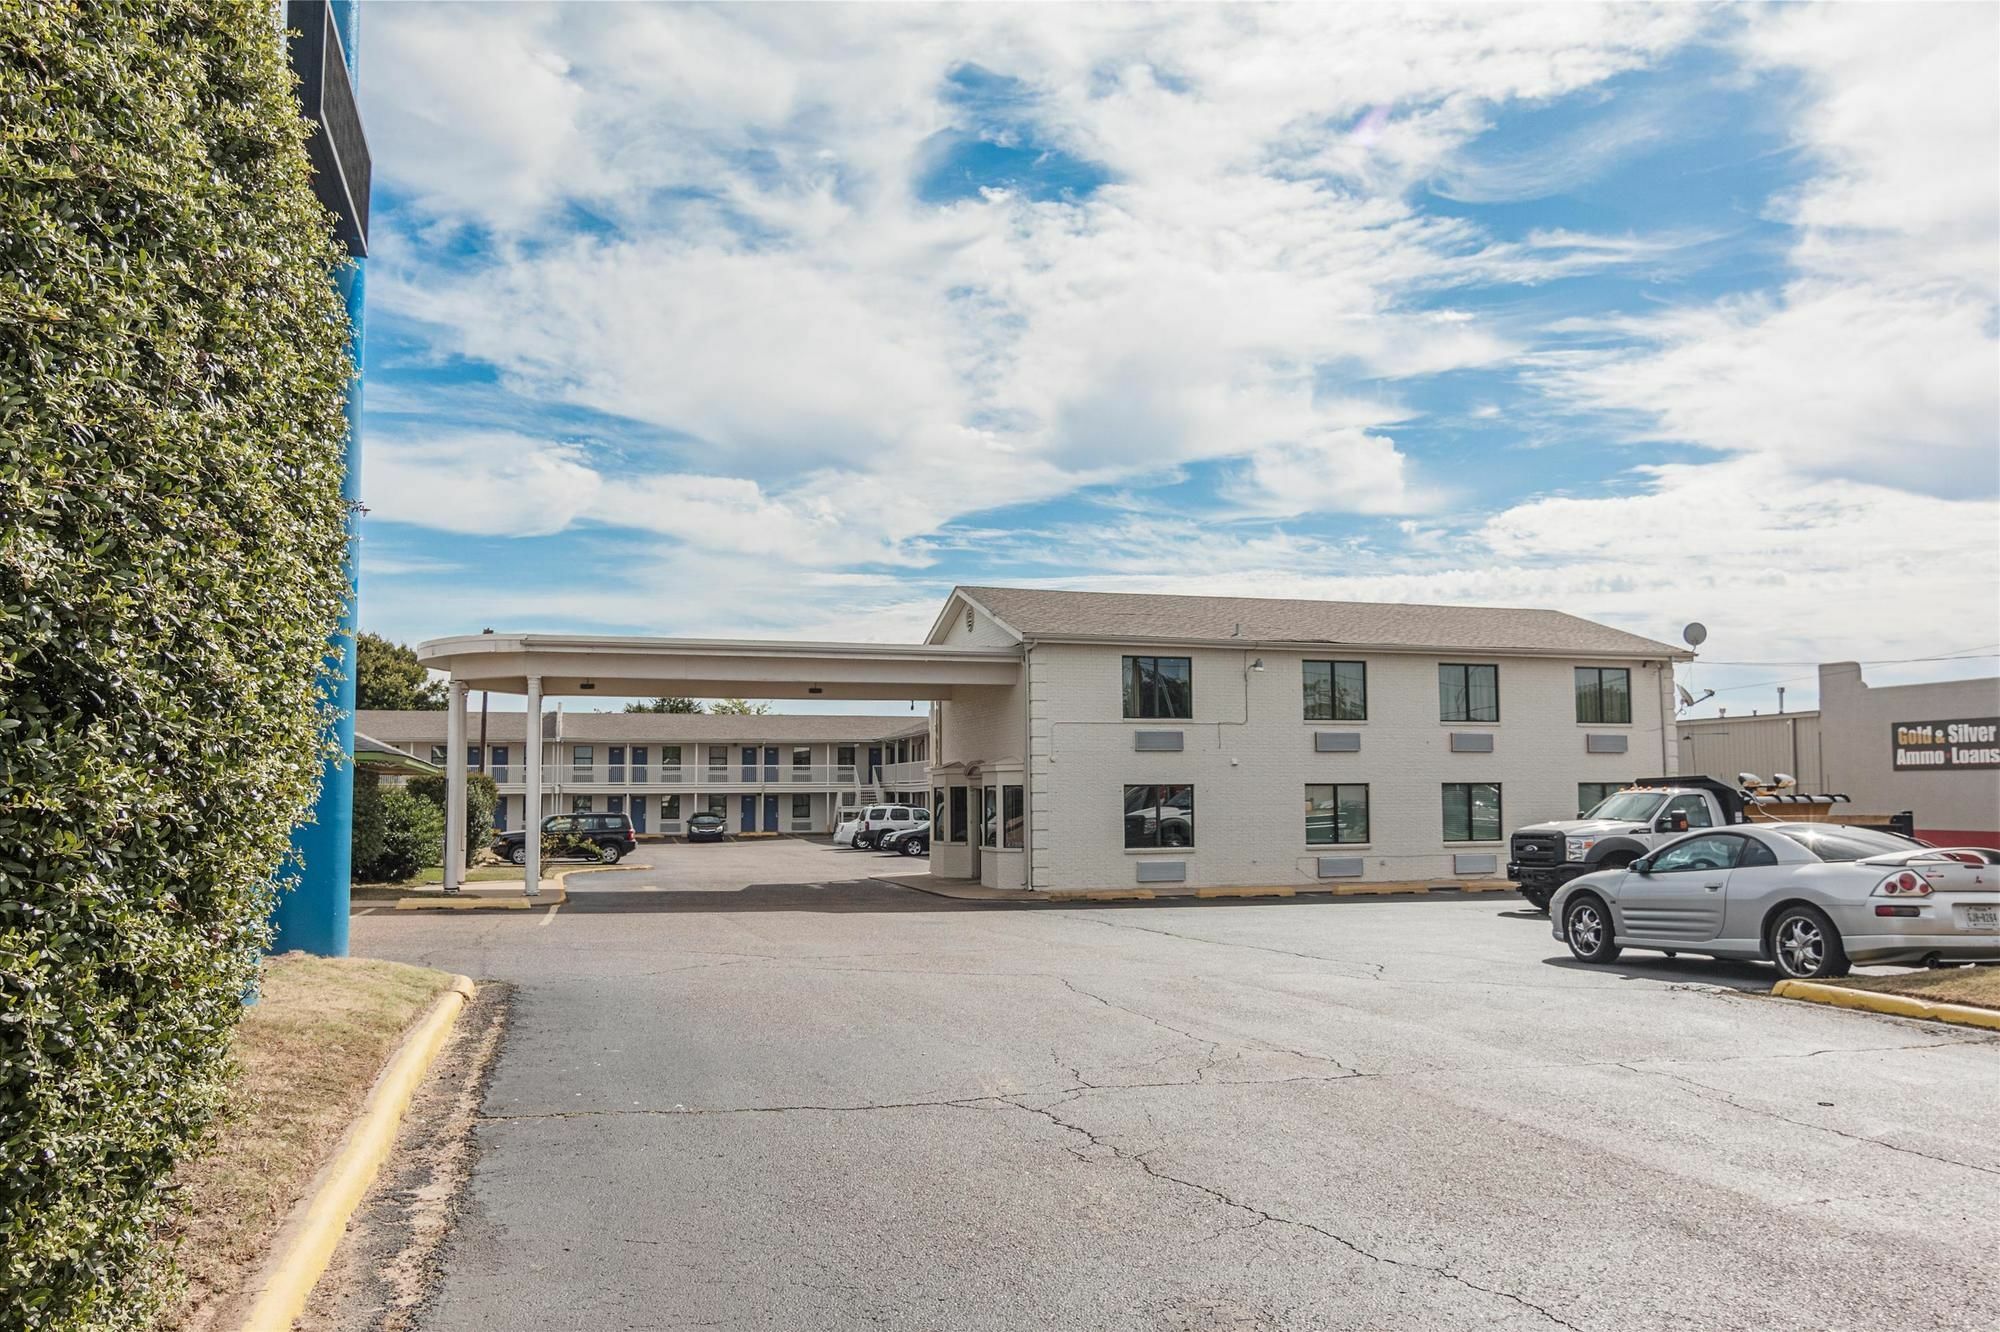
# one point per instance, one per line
(1159, 687)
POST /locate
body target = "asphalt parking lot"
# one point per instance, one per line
(747, 1088)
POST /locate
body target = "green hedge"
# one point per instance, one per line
(481, 795)
(397, 833)
(172, 372)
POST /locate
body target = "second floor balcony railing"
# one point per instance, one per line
(690, 776)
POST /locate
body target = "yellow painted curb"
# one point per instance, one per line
(441, 903)
(305, 1246)
(1109, 895)
(1899, 1005)
(1245, 892)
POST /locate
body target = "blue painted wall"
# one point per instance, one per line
(313, 916)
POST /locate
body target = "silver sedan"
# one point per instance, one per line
(1813, 898)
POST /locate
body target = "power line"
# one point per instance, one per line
(1960, 655)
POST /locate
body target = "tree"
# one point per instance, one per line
(396, 833)
(737, 707)
(173, 376)
(480, 796)
(665, 704)
(389, 676)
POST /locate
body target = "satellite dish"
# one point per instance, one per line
(1695, 634)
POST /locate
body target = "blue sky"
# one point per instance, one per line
(775, 320)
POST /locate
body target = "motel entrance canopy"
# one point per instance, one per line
(540, 666)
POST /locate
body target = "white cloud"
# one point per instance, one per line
(487, 482)
(1880, 359)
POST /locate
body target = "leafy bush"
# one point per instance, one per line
(173, 371)
(396, 833)
(480, 796)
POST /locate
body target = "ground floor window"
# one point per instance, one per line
(670, 809)
(1471, 811)
(579, 804)
(802, 806)
(1589, 795)
(718, 805)
(1336, 814)
(957, 822)
(1013, 817)
(1159, 816)
(989, 816)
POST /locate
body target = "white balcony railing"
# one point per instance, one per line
(905, 776)
(688, 776)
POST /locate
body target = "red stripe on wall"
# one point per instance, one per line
(1959, 837)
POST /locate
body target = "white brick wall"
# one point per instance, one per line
(1249, 754)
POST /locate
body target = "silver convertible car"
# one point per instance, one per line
(1813, 898)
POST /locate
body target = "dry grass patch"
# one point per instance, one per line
(1976, 986)
(306, 1054)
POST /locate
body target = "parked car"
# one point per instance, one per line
(706, 827)
(1814, 898)
(914, 840)
(611, 834)
(878, 819)
(846, 825)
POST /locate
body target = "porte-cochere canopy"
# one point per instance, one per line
(608, 666)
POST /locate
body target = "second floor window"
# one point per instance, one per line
(1336, 691)
(1468, 693)
(1161, 687)
(1603, 694)
(583, 759)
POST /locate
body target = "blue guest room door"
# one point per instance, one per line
(749, 813)
(770, 813)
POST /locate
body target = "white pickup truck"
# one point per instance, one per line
(1653, 811)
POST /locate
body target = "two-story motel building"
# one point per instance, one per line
(762, 773)
(1083, 740)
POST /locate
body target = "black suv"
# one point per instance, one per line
(611, 834)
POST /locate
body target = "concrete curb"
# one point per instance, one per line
(1167, 897)
(306, 1244)
(471, 898)
(1897, 1005)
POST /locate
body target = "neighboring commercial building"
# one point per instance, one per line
(1932, 749)
(765, 774)
(1099, 740)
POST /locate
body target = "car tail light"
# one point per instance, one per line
(1884, 909)
(1903, 884)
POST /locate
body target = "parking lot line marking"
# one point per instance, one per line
(548, 915)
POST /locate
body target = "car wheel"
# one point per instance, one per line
(519, 855)
(1587, 930)
(1538, 898)
(911, 847)
(609, 855)
(1806, 946)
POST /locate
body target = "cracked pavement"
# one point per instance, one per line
(744, 1089)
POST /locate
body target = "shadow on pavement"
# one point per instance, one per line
(1687, 967)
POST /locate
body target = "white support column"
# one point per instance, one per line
(454, 795)
(531, 838)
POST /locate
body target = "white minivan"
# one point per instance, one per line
(874, 820)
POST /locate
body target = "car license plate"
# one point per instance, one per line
(1982, 917)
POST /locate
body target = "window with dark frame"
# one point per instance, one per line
(1159, 816)
(1468, 693)
(1336, 813)
(1336, 691)
(958, 802)
(1159, 688)
(802, 806)
(1589, 795)
(1603, 694)
(1013, 818)
(1471, 811)
(989, 815)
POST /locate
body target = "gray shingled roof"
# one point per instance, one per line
(643, 727)
(1128, 616)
